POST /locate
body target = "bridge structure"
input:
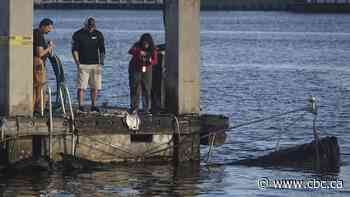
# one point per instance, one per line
(102, 4)
(101, 1)
(320, 6)
(293, 5)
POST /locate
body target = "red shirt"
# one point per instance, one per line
(136, 58)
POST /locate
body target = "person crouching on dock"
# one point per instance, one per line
(88, 51)
(144, 56)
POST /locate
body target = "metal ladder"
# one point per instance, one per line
(49, 92)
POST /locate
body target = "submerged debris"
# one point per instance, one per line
(302, 156)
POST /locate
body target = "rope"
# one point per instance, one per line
(305, 109)
(277, 147)
(167, 143)
(113, 146)
(268, 118)
(256, 121)
(149, 152)
(316, 142)
(110, 153)
(211, 147)
(287, 127)
(178, 126)
(63, 133)
(3, 128)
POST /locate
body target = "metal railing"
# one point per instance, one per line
(49, 91)
(60, 92)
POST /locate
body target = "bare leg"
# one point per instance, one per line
(93, 97)
(80, 93)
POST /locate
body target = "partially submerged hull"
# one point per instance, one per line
(302, 156)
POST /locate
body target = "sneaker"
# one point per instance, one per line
(37, 113)
(81, 109)
(95, 109)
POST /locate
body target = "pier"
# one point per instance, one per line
(112, 135)
(104, 137)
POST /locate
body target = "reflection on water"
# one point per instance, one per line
(254, 64)
(133, 180)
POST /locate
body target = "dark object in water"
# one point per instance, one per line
(71, 162)
(302, 156)
(213, 125)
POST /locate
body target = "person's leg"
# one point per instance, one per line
(93, 97)
(80, 94)
(38, 84)
(131, 87)
(95, 83)
(135, 90)
(36, 90)
(146, 90)
(43, 84)
(156, 87)
(82, 82)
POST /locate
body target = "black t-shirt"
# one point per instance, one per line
(89, 45)
(38, 41)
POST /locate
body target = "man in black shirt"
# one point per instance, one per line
(88, 51)
(41, 49)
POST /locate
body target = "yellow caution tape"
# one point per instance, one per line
(26, 41)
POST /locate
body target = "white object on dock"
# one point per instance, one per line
(133, 121)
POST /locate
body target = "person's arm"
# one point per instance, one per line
(75, 49)
(101, 48)
(102, 44)
(43, 52)
(154, 57)
(76, 57)
(135, 51)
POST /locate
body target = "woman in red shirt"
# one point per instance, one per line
(144, 56)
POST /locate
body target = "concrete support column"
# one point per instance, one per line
(182, 56)
(16, 57)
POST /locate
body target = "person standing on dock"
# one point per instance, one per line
(41, 50)
(144, 56)
(88, 50)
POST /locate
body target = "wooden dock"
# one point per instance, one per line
(105, 137)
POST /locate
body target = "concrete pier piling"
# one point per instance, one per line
(16, 57)
(182, 56)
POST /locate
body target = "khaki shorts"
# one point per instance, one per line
(89, 75)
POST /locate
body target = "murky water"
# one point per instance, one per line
(254, 64)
